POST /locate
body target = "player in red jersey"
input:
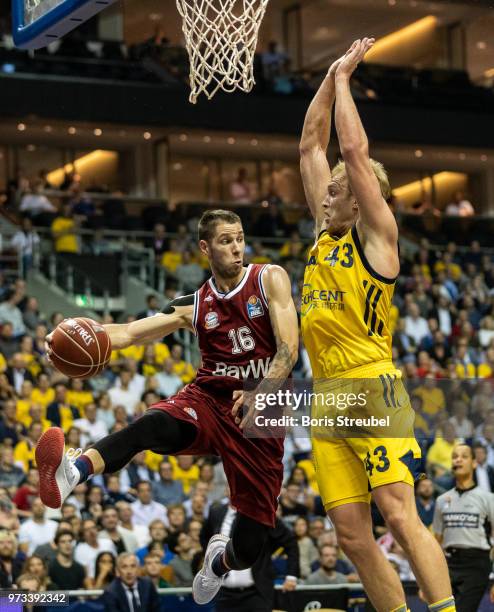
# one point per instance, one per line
(246, 324)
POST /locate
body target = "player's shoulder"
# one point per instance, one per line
(273, 278)
(273, 271)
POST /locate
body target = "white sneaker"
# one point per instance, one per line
(206, 583)
(58, 475)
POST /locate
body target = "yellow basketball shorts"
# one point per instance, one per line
(349, 468)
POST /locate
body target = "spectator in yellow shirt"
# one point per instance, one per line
(148, 365)
(172, 258)
(259, 255)
(308, 466)
(27, 352)
(24, 451)
(293, 247)
(63, 230)
(486, 368)
(199, 258)
(153, 358)
(446, 264)
(132, 352)
(464, 365)
(60, 412)
(161, 352)
(153, 460)
(432, 396)
(73, 438)
(36, 416)
(43, 394)
(421, 426)
(440, 453)
(78, 396)
(182, 368)
(185, 470)
(24, 403)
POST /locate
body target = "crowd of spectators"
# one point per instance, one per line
(442, 321)
(458, 206)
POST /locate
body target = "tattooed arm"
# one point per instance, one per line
(285, 328)
(283, 320)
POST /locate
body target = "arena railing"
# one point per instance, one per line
(351, 586)
(421, 224)
(443, 229)
(354, 593)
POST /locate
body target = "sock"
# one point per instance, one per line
(219, 567)
(402, 608)
(85, 467)
(444, 605)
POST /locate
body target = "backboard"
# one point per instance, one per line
(37, 23)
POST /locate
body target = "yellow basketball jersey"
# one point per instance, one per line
(345, 309)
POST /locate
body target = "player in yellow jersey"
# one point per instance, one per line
(346, 301)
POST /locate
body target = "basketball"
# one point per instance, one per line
(80, 348)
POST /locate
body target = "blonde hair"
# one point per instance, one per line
(377, 168)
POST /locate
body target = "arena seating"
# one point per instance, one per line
(443, 342)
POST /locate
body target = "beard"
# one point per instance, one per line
(227, 271)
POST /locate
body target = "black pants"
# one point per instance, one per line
(241, 600)
(160, 432)
(469, 571)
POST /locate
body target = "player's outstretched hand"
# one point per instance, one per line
(354, 56)
(334, 66)
(243, 401)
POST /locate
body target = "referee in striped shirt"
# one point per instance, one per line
(463, 521)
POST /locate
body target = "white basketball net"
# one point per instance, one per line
(221, 38)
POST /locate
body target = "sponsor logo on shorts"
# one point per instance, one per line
(211, 320)
(190, 411)
(254, 307)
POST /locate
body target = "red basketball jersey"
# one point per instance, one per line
(234, 330)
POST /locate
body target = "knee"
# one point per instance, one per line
(402, 526)
(350, 541)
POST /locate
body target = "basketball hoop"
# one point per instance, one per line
(221, 38)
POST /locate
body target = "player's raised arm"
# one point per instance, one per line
(314, 166)
(375, 218)
(285, 328)
(178, 314)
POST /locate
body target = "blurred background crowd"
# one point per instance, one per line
(443, 341)
(100, 194)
